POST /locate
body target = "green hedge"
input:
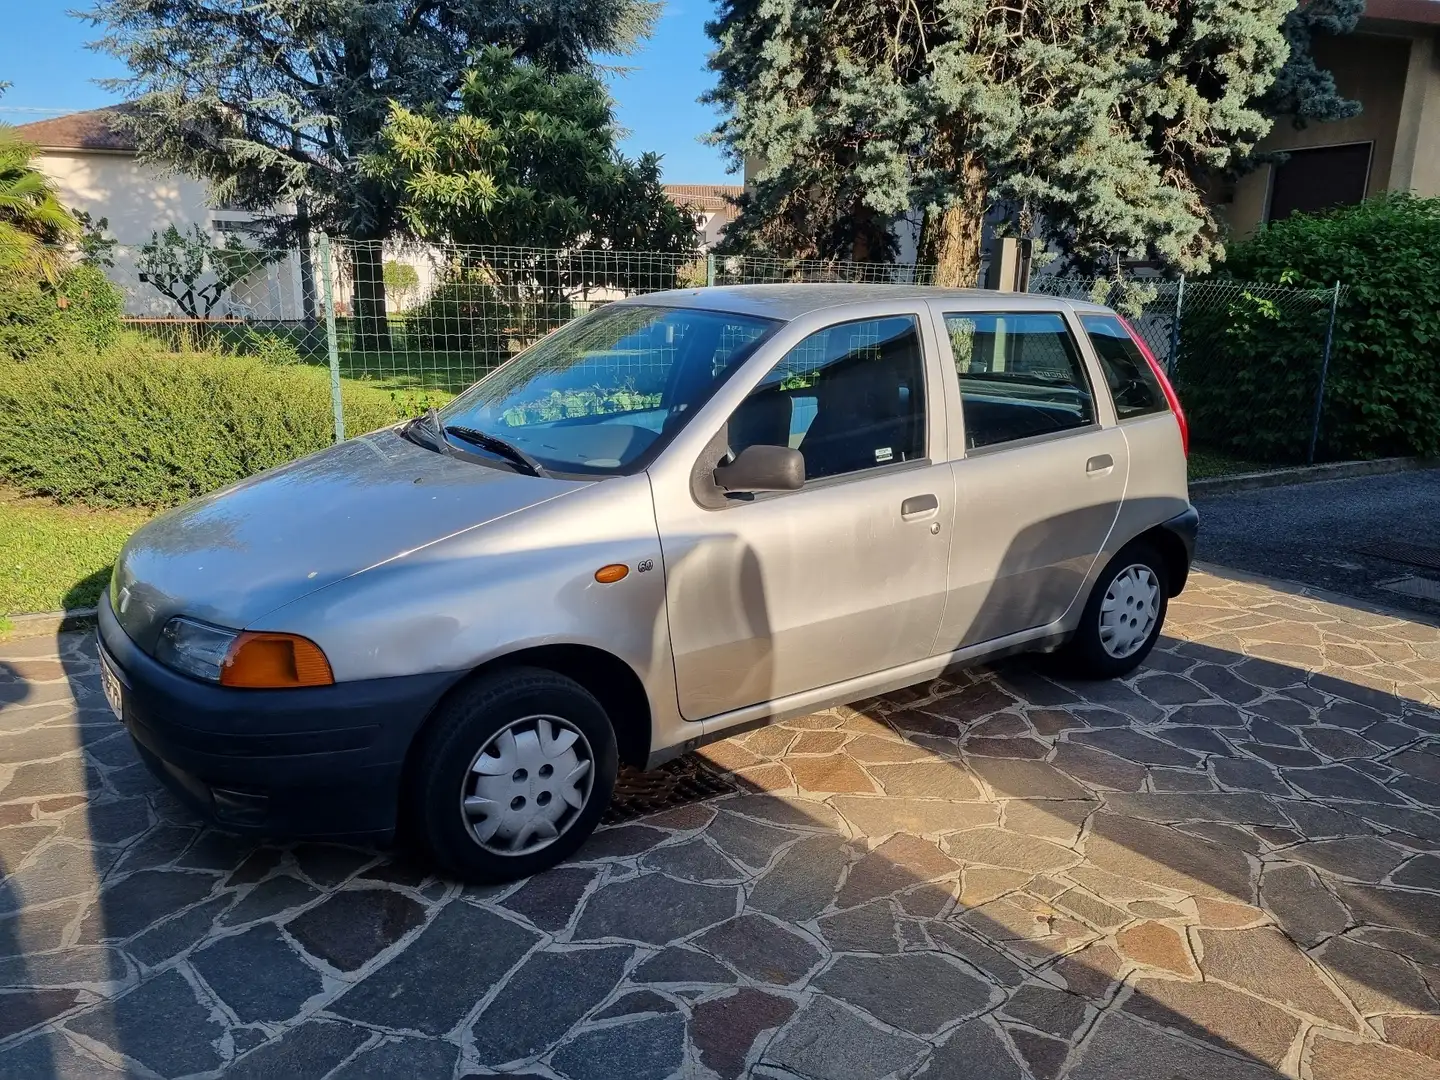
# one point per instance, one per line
(134, 426)
(79, 312)
(1251, 392)
(476, 317)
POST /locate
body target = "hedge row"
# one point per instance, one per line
(134, 426)
(1251, 390)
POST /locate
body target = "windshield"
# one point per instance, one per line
(605, 393)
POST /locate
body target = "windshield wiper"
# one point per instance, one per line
(496, 445)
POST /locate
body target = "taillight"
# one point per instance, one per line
(1172, 398)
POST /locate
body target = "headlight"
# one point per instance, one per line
(242, 658)
(195, 648)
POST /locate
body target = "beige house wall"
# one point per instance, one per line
(1397, 78)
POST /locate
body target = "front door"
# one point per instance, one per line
(776, 594)
(1041, 483)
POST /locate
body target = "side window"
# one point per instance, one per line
(1133, 386)
(1020, 376)
(849, 397)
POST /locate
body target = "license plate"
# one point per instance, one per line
(114, 692)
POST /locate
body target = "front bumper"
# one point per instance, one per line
(319, 761)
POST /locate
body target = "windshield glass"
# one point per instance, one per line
(603, 394)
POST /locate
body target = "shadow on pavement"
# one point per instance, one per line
(1223, 867)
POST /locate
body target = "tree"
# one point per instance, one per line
(94, 247)
(1103, 122)
(194, 271)
(529, 161)
(1303, 90)
(275, 103)
(401, 281)
(33, 223)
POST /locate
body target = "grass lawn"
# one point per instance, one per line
(55, 557)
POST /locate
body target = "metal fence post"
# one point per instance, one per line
(332, 341)
(1324, 371)
(710, 269)
(1172, 361)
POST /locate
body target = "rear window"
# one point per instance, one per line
(1133, 385)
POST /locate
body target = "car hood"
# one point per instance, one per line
(234, 555)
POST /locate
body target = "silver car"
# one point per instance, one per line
(679, 517)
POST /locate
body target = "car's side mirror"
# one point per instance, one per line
(763, 468)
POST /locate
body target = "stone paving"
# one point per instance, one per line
(1227, 868)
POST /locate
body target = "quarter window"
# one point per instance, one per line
(1133, 386)
(1020, 376)
(849, 397)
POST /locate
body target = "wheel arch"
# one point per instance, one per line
(610, 679)
(1173, 551)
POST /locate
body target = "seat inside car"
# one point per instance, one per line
(865, 413)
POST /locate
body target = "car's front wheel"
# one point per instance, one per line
(512, 774)
(1123, 616)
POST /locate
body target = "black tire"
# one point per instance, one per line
(1085, 655)
(440, 771)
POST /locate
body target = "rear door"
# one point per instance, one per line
(1040, 473)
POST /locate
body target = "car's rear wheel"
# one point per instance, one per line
(1123, 616)
(512, 775)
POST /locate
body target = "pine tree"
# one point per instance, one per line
(1103, 121)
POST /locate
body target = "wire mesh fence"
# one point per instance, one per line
(1247, 358)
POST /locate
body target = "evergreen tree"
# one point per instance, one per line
(277, 101)
(1102, 121)
(529, 160)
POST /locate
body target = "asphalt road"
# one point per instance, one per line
(1351, 536)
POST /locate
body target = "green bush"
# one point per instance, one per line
(1253, 392)
(81, 311)
(135, 426)
(476, 317)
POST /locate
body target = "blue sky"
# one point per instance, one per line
(42, 52)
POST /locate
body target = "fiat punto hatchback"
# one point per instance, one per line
(676, 518)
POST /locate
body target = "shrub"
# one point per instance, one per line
(1383, 389)
(81, 312)
(477, 317)
(134, 426)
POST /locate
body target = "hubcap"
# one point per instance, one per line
(1128, 613)
(527, 785)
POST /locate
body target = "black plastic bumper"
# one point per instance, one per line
(1184, 527)
(319, 761)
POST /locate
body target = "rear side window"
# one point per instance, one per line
(1020, 376)
(1133, 385)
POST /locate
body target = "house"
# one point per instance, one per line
(712, 203)
(1391, 65)
(94, 167)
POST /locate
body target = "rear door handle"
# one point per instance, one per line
(918, 506)
(1100, 464)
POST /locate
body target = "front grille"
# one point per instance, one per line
(680, 782)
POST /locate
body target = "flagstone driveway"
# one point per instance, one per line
(1225, 868)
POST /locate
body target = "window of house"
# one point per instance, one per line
(1317, 179)
(1133, 386)
(849, 397)
(1020, 376)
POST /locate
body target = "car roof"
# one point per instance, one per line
(787, 302)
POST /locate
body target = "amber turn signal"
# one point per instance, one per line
(608, 575)
(275, 661)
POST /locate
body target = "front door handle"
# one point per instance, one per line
(919, 506)
(1099, 465)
